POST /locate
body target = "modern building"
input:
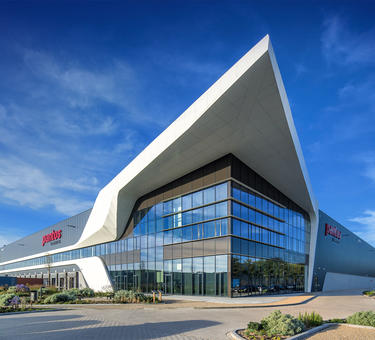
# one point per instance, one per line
(220, 203)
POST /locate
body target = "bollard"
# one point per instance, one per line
(153, 296)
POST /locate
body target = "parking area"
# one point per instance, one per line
(173, 321)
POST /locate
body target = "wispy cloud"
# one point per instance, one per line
(368, 165)
(300, 69)
(7, 236)
(367, 222)
(29, 185)
(65, 130)
(342, 46)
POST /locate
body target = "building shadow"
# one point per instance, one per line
(27, 329)
(63, 330)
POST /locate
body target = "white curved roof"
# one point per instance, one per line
(246, 113)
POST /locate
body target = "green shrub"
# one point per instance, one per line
(310, 319)
(125, 296)
(59, 298)
(5, 299)
(369, 292)
(282, 324)
(362, 318)
(87, 292)
(129, 296)
(74, 292)
(49, 290)
(12, 289)
(254, 326)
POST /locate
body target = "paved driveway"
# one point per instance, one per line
(122, 322)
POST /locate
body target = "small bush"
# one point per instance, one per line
(362, 318)
(12, 289)
(311, 319)
(282, 324)
(48, 290)
(75, 292)
(59, 298)
(129, 296)
(5, 299)
(125, 296)
(87, 292)
(22, 288)
(254, 326)
(369, 292)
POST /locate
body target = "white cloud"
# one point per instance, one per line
(6, 239)
(367, 223)
(65, 130)
(368, 165)
(300, 69)
(2, 113)
(341, 46)
(28, 185)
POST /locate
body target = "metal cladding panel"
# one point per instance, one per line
(338, 250)
(71, 230)
(9, 281)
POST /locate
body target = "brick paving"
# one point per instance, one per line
(179, 321)
(343, 332)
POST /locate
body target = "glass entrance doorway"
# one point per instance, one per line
(168, 283)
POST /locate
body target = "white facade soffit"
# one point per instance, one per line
(246, 112)
(92, 268)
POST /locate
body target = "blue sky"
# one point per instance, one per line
(85, 86)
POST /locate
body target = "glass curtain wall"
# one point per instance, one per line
(270, 244)
(146, 261)
(268, 250)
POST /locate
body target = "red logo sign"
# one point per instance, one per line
(55, 235)
(333, 231)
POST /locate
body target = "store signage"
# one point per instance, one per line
(333, 231)
(55, 235)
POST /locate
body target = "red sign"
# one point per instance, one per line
(333, 231)
(55, 235)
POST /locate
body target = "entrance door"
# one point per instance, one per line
(118, 283)
(125, 281)
(62, 283)
(71, 282)
(129, 279)
(198, 283)
(168, 283)
(220, 284)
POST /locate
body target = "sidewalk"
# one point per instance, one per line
(200, 302)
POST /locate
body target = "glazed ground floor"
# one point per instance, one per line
(217, 275)
(220, 275)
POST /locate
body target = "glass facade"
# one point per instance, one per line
(270, 244)
(224, 239)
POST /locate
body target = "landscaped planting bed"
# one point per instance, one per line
(18, 298)
(279, 326)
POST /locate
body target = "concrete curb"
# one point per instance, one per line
(311, 331)
(235, 336)
(31, 311)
